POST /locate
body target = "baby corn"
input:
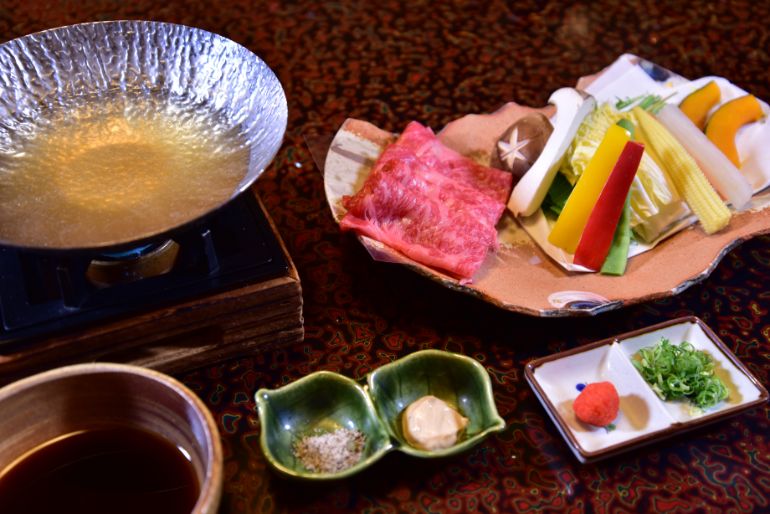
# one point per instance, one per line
(689, 180)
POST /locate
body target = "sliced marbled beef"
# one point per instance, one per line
(430, 203)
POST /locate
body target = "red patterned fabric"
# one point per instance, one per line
(388, 62)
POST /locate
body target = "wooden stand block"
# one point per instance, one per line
(180, 337)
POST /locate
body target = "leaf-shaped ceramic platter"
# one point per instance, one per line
(520, 276)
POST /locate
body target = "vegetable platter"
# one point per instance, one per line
(607, 210)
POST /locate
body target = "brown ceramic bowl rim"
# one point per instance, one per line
(211, 488)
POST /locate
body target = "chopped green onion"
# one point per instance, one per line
(680, 372)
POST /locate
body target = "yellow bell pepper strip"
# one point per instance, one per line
(725, 122)
(600, 228)
(568, 228)
(697, 104)
(684, 173)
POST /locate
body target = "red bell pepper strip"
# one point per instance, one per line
(597, 236)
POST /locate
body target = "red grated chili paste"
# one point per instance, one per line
(597, 404)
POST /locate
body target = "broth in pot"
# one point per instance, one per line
(116, 169)
(113, 133)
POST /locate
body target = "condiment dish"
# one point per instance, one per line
(460, 381)
(643, 416)
(323, 402)
(320, 402)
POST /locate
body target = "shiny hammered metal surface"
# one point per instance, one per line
(145, 65)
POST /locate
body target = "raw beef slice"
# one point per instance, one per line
(430, 203)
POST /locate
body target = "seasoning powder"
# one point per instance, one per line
(332, 451)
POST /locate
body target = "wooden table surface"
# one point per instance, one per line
(391, 62)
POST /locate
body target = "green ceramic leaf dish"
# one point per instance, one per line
(320, 402)
(324, 401)
(458, 380)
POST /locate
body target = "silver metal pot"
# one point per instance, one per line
(138, 68)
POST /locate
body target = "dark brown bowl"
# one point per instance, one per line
(43, 407)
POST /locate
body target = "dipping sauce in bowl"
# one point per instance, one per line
(107, 438)
(116, 470)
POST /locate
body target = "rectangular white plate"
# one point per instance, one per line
(643, 416)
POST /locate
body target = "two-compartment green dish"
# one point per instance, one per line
(325, 401)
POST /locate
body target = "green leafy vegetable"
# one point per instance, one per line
(654, 202)
(677, 372)
(557, 196)
(650, 103)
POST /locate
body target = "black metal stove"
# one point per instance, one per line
(43, 294)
